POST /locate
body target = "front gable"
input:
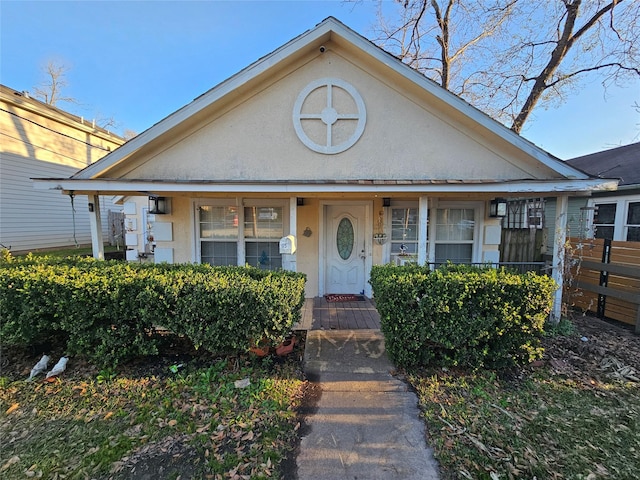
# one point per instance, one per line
(244, 130)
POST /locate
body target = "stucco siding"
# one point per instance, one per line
(405, 138)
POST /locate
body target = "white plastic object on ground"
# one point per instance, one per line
(244, 383)
(58, 368)
(39, 367)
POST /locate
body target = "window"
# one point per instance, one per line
(604, 218)
(404, 231)
(345, 238)
(227, 230)
(616, 218)
(455, 229)
(263, 228)
(535, 214)
(218, 227)
(524, 213)
(632, 225)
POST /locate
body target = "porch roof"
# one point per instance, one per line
(425, 186)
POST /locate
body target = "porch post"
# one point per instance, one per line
(95, 222)
(423, 219)
(431, 232)
(562, 207)
(289, 261)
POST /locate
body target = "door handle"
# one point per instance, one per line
(363, 255)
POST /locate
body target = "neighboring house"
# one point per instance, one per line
(605, 214)
(39, 140)
(612, 215)
(326, 157)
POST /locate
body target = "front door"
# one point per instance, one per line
(345, 248)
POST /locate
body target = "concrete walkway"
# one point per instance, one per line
(366, 423)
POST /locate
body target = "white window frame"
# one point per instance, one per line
(478, 215)
(264, 203)
(616, 218)
(240, 204)
(216, 202)
(535, 210)
(620, 226)
(388, 229)
(626, 225)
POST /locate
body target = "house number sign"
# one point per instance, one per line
(330, 118)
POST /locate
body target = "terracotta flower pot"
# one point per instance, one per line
(261, 349)
(286, 347)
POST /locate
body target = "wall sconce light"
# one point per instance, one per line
(498, 208)
(299, 201)
(386, 202)
(157, 205)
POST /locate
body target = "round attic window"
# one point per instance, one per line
(329, 116)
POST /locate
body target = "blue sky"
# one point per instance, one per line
(139, 61)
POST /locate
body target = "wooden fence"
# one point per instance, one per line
(521, 245)
(116, 229)
(605, 279)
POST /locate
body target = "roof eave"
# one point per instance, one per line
(143, 187)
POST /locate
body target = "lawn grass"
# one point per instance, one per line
(538, 424)
(195, 420)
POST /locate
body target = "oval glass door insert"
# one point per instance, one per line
(344, 238)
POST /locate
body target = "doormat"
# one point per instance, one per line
(344, 297)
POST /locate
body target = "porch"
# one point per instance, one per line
(320, 314)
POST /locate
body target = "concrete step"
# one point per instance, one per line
(346, 351)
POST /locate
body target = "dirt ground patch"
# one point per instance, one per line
(599, 348)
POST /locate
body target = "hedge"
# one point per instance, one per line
(108, 310)
(461, 315)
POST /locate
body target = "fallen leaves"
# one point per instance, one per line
(619, 370)
(212, 422)
(577, 416)
(32, 472)
(8, 463)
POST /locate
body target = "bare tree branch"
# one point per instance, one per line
(50, 91)
(508, 57)
(566, 76)
(565, 43)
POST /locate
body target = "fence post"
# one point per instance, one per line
(604, 277)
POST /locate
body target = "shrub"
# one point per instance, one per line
(108, 310)
(28, 305)
(461, 315)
